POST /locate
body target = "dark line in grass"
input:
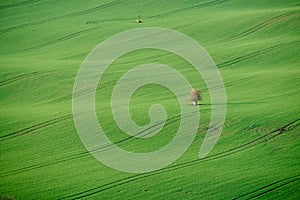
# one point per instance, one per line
(260, 26)
(100, 86)
(133, 178)
(104, 84)
(201, 5)
(283, 95)
(255, 53)
(61, 39)
(103, 148)
(275, 188)
(230, 83)
(267, 186)
(278, 131)
(19, 4)
(90, 10)
(19, 77)
(154, 128)
(171, 168)
(234, 150)
(34, 128)
(83, 12)
(76, 55)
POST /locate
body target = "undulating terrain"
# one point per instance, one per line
(255, 45)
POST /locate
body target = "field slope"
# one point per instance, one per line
(255, 45)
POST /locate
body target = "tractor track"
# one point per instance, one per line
(260, 26)
(75, 14)
(61, 39)
(114, 184)
(76, 55)
(270, 187)
(264, 138)
(274, 188)
(255, 53)
(100, 86)
(104, 84)
(24, 3)
(76, 34)
(160, 55)
(19, 77)
(34, 128)
(137, 177)
(202, 5)
(180, 27)
(153, 127)
(230, 83)
(104, 6)
(86, 153)
(276, 97)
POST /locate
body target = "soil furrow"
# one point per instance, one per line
(61, 39)
(265, 187)
(137, 177)
(254, 54)
(34, 128)
(274, 188)
(19, 77)
(75, 14)
(260, 26)
(28, 2)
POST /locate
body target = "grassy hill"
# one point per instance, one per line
(255, 45)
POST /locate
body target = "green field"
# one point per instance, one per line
(255, 45)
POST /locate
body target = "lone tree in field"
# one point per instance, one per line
(195, 96)
(138, 20)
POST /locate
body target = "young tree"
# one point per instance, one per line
(195, 96)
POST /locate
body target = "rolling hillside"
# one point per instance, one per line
(255, 45)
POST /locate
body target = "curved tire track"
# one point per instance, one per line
(76, 34)
(104, 84)
(275, 188)
(255, 53)
(75, 14)
(114, 184)
(19, 77)
(201, 5)
(24, 3)
(230, 83)
(61, 39)
(270, 187)
(137, 177)
(34, 128)
(87, 153)
(103, 6)
(260, 26)
(111, 185)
